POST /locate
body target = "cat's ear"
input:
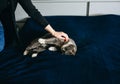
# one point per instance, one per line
(34, 55)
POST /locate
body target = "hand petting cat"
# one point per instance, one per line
(57, 34)
(61, 35)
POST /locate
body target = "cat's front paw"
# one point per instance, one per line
(41, 41)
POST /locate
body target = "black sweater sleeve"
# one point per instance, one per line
(3, 5)
(33, 12)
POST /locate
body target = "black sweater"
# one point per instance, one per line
(7, 17)
(28, 7)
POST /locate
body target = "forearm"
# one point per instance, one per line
(50, 29)
(33, 12)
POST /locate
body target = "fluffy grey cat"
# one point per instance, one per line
(52, 44)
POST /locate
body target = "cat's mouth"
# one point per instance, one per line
(71, 52)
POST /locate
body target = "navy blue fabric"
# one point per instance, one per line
(97, 60)
(2, 41)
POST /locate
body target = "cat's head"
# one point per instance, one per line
(69, 48)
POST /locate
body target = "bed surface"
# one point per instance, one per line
(97, 60)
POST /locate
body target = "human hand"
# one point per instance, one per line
(57, 34)
(61, 35)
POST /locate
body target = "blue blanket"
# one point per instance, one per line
(97, 60)
(1, 37)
